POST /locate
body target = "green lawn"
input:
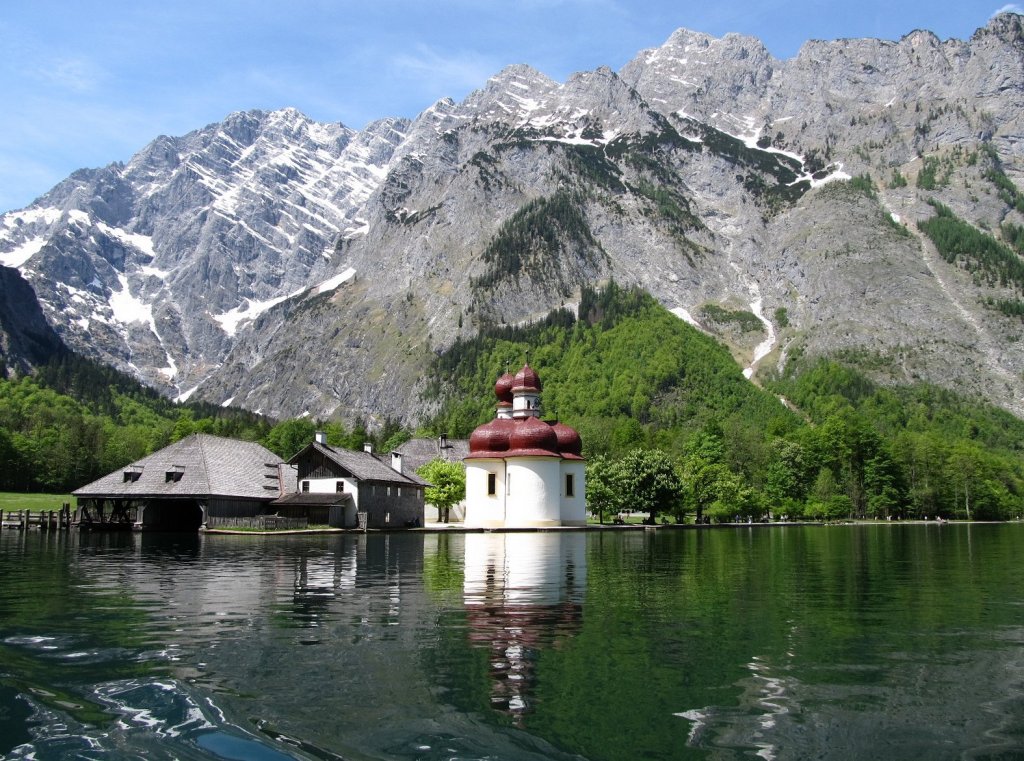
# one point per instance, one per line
(35, 502)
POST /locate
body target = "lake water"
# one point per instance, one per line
(838, 642)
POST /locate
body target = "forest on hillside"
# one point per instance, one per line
(75, 420)
(630, 376)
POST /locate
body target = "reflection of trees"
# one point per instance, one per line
(50, 595)
(603, 645)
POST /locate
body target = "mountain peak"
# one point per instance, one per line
(1007, 26)
(216, 259)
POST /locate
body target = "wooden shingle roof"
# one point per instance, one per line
(313, 499)
(363, 466)
(200, 465)
(418, 452)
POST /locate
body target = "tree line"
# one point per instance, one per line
(75, 421)
(641, 386)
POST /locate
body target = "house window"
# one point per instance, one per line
(389, 491)
(305, 486)
(570, 485)
(492, 484)
(339, 486)
(399, 491)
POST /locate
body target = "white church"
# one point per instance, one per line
(522, 472)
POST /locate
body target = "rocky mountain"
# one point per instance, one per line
(26, 338)
(292, 267)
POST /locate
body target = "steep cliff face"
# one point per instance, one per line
(294, 267)
(26, 339)
(151, 266)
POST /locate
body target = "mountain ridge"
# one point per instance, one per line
(292, 267)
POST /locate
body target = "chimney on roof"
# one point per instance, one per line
(321, 437)
(396, 461)
(368, 447)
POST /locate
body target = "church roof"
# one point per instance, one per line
(526, 380)
(503, 388)
(527, 436)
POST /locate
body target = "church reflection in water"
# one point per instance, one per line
(523, 594)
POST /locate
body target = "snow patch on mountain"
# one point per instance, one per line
(143, 243)
(684, 314)
(16, 219)
(230, 320)
(332, 283)
(127, 309)
(18, 256)
(150, 271)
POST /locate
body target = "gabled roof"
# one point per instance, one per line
(200, 465)
(418, 452)
(313, 499)
(362, 465)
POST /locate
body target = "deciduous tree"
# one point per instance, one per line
(447, 485)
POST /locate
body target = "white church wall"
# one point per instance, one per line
(574, 507)
(534, 496)
(484, 510)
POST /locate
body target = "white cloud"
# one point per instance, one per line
(75, 74)
(444, 74)
(1009, 8)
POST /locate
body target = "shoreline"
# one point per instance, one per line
(455, 528)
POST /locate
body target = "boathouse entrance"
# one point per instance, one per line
(170, 515)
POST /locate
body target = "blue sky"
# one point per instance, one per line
(88, 82)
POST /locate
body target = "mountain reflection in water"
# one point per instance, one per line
(770, 642)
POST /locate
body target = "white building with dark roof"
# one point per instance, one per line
(382, 496)
(522, 472)
(184, 486)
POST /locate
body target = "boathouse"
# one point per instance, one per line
(184, 486)
(382, 495)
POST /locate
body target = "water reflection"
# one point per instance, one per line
(839, 642)
(523, 594)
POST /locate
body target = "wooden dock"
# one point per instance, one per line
(44, 520)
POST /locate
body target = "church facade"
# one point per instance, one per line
(522, 472)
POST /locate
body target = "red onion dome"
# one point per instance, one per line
(533, 434)
(526, 380)
(490, 437)
(569, 441)
(503, 388)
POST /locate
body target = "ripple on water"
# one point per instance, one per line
(147, 719)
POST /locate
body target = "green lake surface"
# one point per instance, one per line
(773, 642)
